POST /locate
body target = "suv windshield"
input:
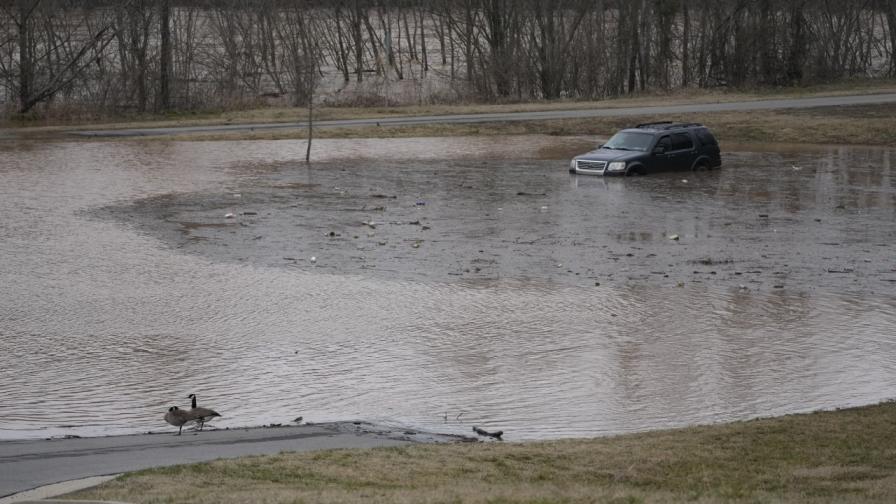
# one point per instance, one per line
(630, 141)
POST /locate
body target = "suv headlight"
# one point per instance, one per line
(616, 166)
(572, 164)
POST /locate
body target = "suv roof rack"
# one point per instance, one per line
(667, 125)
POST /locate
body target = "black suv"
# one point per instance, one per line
(654, 147)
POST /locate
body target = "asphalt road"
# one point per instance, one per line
(790, 103)
(29, 464)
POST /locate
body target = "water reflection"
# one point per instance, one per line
(104, 322)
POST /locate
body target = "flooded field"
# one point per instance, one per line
(439, 284)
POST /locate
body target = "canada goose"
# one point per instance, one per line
(178, 418)
(201, 415)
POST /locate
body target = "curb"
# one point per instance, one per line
(45, 493)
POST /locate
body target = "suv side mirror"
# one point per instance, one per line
(659, 150)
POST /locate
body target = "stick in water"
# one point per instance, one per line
(483, 432)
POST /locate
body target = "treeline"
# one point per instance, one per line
(156, 55)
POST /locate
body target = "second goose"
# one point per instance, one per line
(201, 415)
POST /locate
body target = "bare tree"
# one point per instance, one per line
(50, 59)
(157, 55)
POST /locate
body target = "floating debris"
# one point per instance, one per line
(485, 433)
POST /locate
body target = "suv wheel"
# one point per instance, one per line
(701, 166)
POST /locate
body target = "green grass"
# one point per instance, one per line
(846, 456)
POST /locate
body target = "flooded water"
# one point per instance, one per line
(455, 282)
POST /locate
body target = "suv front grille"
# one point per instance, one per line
(582, 164)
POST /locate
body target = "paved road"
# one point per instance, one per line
(29, 464)
(515, 116)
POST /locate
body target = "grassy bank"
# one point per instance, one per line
(840, 125)
(843, 456)
(848, 125)
(63, 117)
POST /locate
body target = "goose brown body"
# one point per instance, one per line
(178, 418)
(201, 415)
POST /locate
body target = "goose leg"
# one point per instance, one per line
(180, 429)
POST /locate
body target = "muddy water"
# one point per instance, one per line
(457, 288)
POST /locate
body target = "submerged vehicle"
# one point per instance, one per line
(652, 147)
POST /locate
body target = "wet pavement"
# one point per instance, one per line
(440, 284)
(29, 464)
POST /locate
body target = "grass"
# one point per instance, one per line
(845, 456)
(847, 125)
(70, 119)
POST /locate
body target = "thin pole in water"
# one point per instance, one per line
(310, 130)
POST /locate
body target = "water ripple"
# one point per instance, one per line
(103, 328)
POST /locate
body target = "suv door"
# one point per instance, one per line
(661, 162)
(682, 152)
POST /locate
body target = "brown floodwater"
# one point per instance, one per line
(454, 282)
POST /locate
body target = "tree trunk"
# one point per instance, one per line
(165, 56)
(634, 48)
(766, 42)
(359, 43)
(342, 57)
(890, 9)
(26, 61)
(797, 55)
(374, 44)
(424, 60)
(468, 39)
(685, 44)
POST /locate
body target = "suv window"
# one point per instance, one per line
(681, 141)
(665, 142)
(629, 141)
